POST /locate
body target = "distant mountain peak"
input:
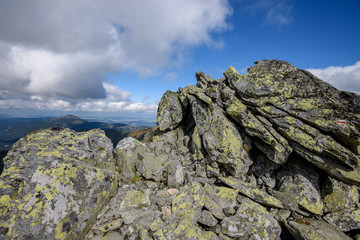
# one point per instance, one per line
(70, 116)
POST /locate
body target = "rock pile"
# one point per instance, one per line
(273, 154)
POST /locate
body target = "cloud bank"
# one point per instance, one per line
(345, 78)
(56, 54)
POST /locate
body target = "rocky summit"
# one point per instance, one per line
(272, 154)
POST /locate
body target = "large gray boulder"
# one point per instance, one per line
(55, 183)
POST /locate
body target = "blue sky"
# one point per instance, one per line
(117, 58)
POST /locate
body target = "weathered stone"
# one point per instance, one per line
(275, 147)
(166, 212)
(232, 76)
(189, 203)
(131, 215)
(345, 220)
(279, 86)
(187, 230)
(308, 228)
(195, 92)
(251, 191)
(207, 219)
(229, 211)
(282, 215)
(314, 141)
(172, 191)
(288, 200)
(113, 236)
(223, 144)
(251, 221)
(196, 145)
(212, 170)
(146, 218)
(223, 196)
(144, 235)
(170, 142)
(150, 166)
(108, 226)
(169, 111)
(338, 196)
(213, 207)
(49, 189)
(210, 235)
(161, 198)
(203, 80)
(265, 172)
(336, 170)
(200, 113)
(175, 173)
(135, 199)
(126, 155)
(302, 182)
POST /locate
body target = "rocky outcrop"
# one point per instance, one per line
(272, 154)
(55, 183)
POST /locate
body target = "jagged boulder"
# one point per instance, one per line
(169, 112)
(55, 183)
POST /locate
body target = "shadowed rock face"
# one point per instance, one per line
(272, 154)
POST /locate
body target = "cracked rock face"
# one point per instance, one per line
(272, 154)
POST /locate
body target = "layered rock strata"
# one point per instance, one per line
(272, 154)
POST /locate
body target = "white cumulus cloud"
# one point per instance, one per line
(117, 100)
(346, 78)
(63, 50)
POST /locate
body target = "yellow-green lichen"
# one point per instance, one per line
(223, 196)
(4, 200)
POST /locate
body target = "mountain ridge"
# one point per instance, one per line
(11, 130)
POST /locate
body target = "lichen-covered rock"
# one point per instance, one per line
(215, 209)
(314, 141)
(251, 221)
(189, 204)
(199, 105)
(345, 220)
(207, 219)
(135, 199)
(150, 166)
(169, 111)
(126, 155)
(252, 192)
(276, 86)
(170, 142)
(338, 196)
(55, 183)
(223, 196)
(175, 173)
(275, 147)
(302, 182)
(196, 145)
(224, 145)
(307, 228)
